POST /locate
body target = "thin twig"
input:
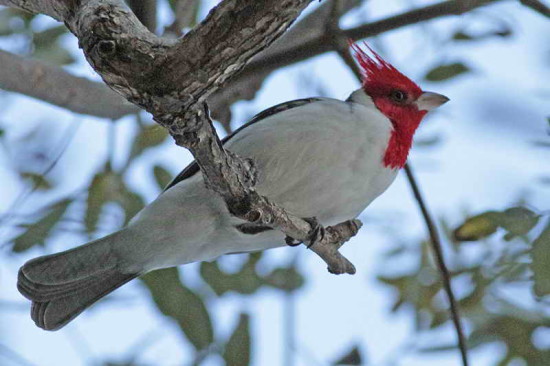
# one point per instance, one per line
(537, 6)
(22, 198)
(443, 270)
(338, 37)
(56, 86)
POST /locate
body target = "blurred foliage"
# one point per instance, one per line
(516, 221)
(42, 44)
(39, 181)
(352, 357)
(501, 30)
(149, 136)
(502, 256)
(179, 302)
(512, 253)
(238, 346)
(162, 176)
(37, 232)
(247, 280)
(446, 71)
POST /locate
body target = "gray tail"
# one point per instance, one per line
(63, 285)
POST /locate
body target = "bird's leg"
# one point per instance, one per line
(325, 242)
(317, 234)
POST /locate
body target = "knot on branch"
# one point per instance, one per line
(326, 246)
(245, 169)
(106, 48)
(344, 231)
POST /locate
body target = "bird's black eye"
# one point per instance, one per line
(398, 96)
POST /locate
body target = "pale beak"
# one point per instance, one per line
(428, 101)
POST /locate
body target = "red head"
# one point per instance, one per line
(398, 98)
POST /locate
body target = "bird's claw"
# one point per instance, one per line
(291, 242)
(317, 233)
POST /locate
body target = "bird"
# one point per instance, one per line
(315, 157)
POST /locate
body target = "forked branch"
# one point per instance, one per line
(173, 79)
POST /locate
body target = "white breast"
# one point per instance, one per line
(323, 159)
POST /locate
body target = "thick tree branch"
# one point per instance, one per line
(172, 80)
(292, 47)
(322, 43)
(54, 85)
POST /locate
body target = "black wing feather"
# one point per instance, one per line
(193, 168)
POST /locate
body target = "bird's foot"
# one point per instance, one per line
(291, 242)
(318, 231)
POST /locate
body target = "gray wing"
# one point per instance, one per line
(193, 168)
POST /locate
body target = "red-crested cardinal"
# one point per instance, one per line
(316, 157)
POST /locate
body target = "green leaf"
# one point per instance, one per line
(352, 357)
(517, 220)
(56, 55)
(445, 72)
(109, 187)
(38, 232)
(48, 37)
(540, 263)
(39, 181)
(477, 227)
(9, 24)
(148, 137)
(104, 188)
(245, 281)
(175, 300)
(237, 348)
(461, 36)
(504, 32)
(286, 279)
(162, 176)
(47, 46)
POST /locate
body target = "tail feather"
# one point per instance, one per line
(63, 285)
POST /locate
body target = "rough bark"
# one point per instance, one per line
(294, 47)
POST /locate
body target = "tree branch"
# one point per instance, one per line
(172, 81)
(537, 6)
(440, 260)
(54, 85)
(292, 47)
(320, 43)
